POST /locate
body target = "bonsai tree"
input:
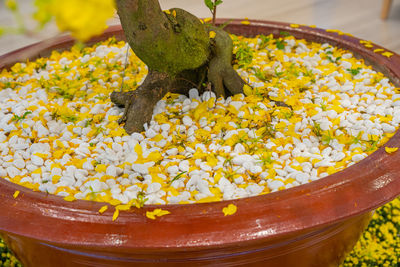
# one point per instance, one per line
(181, 52)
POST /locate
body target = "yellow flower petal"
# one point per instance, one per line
(115, 202)
(115, 215)
(101, 168)
(16, 193)
(229, 210)
(387, 54)
(157, 212)
(245, 22)
(391, 150)
(247, 90)
(294, 25)
(123, 207)
(69, 198)
(154, 156)
(103, 209)
(378, 50)
(365, 42)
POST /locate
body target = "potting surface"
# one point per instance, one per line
(312, 110)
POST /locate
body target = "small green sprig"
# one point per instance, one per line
(17, 118)
(177, 177)
(141, 199)
(316, 129)
(212, 6)
(354, 71)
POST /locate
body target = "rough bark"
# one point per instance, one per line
(177, 49)
(169, 43)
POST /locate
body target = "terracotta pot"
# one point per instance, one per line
(310, 225)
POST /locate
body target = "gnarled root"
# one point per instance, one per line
(220, 71)
(139, 104)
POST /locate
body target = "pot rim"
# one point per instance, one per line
(355, 190)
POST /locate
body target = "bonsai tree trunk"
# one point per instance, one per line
(179, 53)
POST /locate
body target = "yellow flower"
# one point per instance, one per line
(391, 150)
(157, 212)
(212, 34)
(229, 210)
(11, 4)
(294, 25)
(83, 19)
(16, 194)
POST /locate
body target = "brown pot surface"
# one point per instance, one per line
(201, 231)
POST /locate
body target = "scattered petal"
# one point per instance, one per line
(229, 210)
(378, 50)
(123, 207)
(157, 212)
(16, 193)
(387, 54)
(115, 215)
(69, 198)
(103, 209)
(391, 150)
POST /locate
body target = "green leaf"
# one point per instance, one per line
(209, 4)
(280, 45)
(355, 71)
(264, 41)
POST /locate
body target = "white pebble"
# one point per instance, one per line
(12, 171)
(19, 163)
(38, 161)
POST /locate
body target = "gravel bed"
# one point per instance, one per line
(312, 110)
